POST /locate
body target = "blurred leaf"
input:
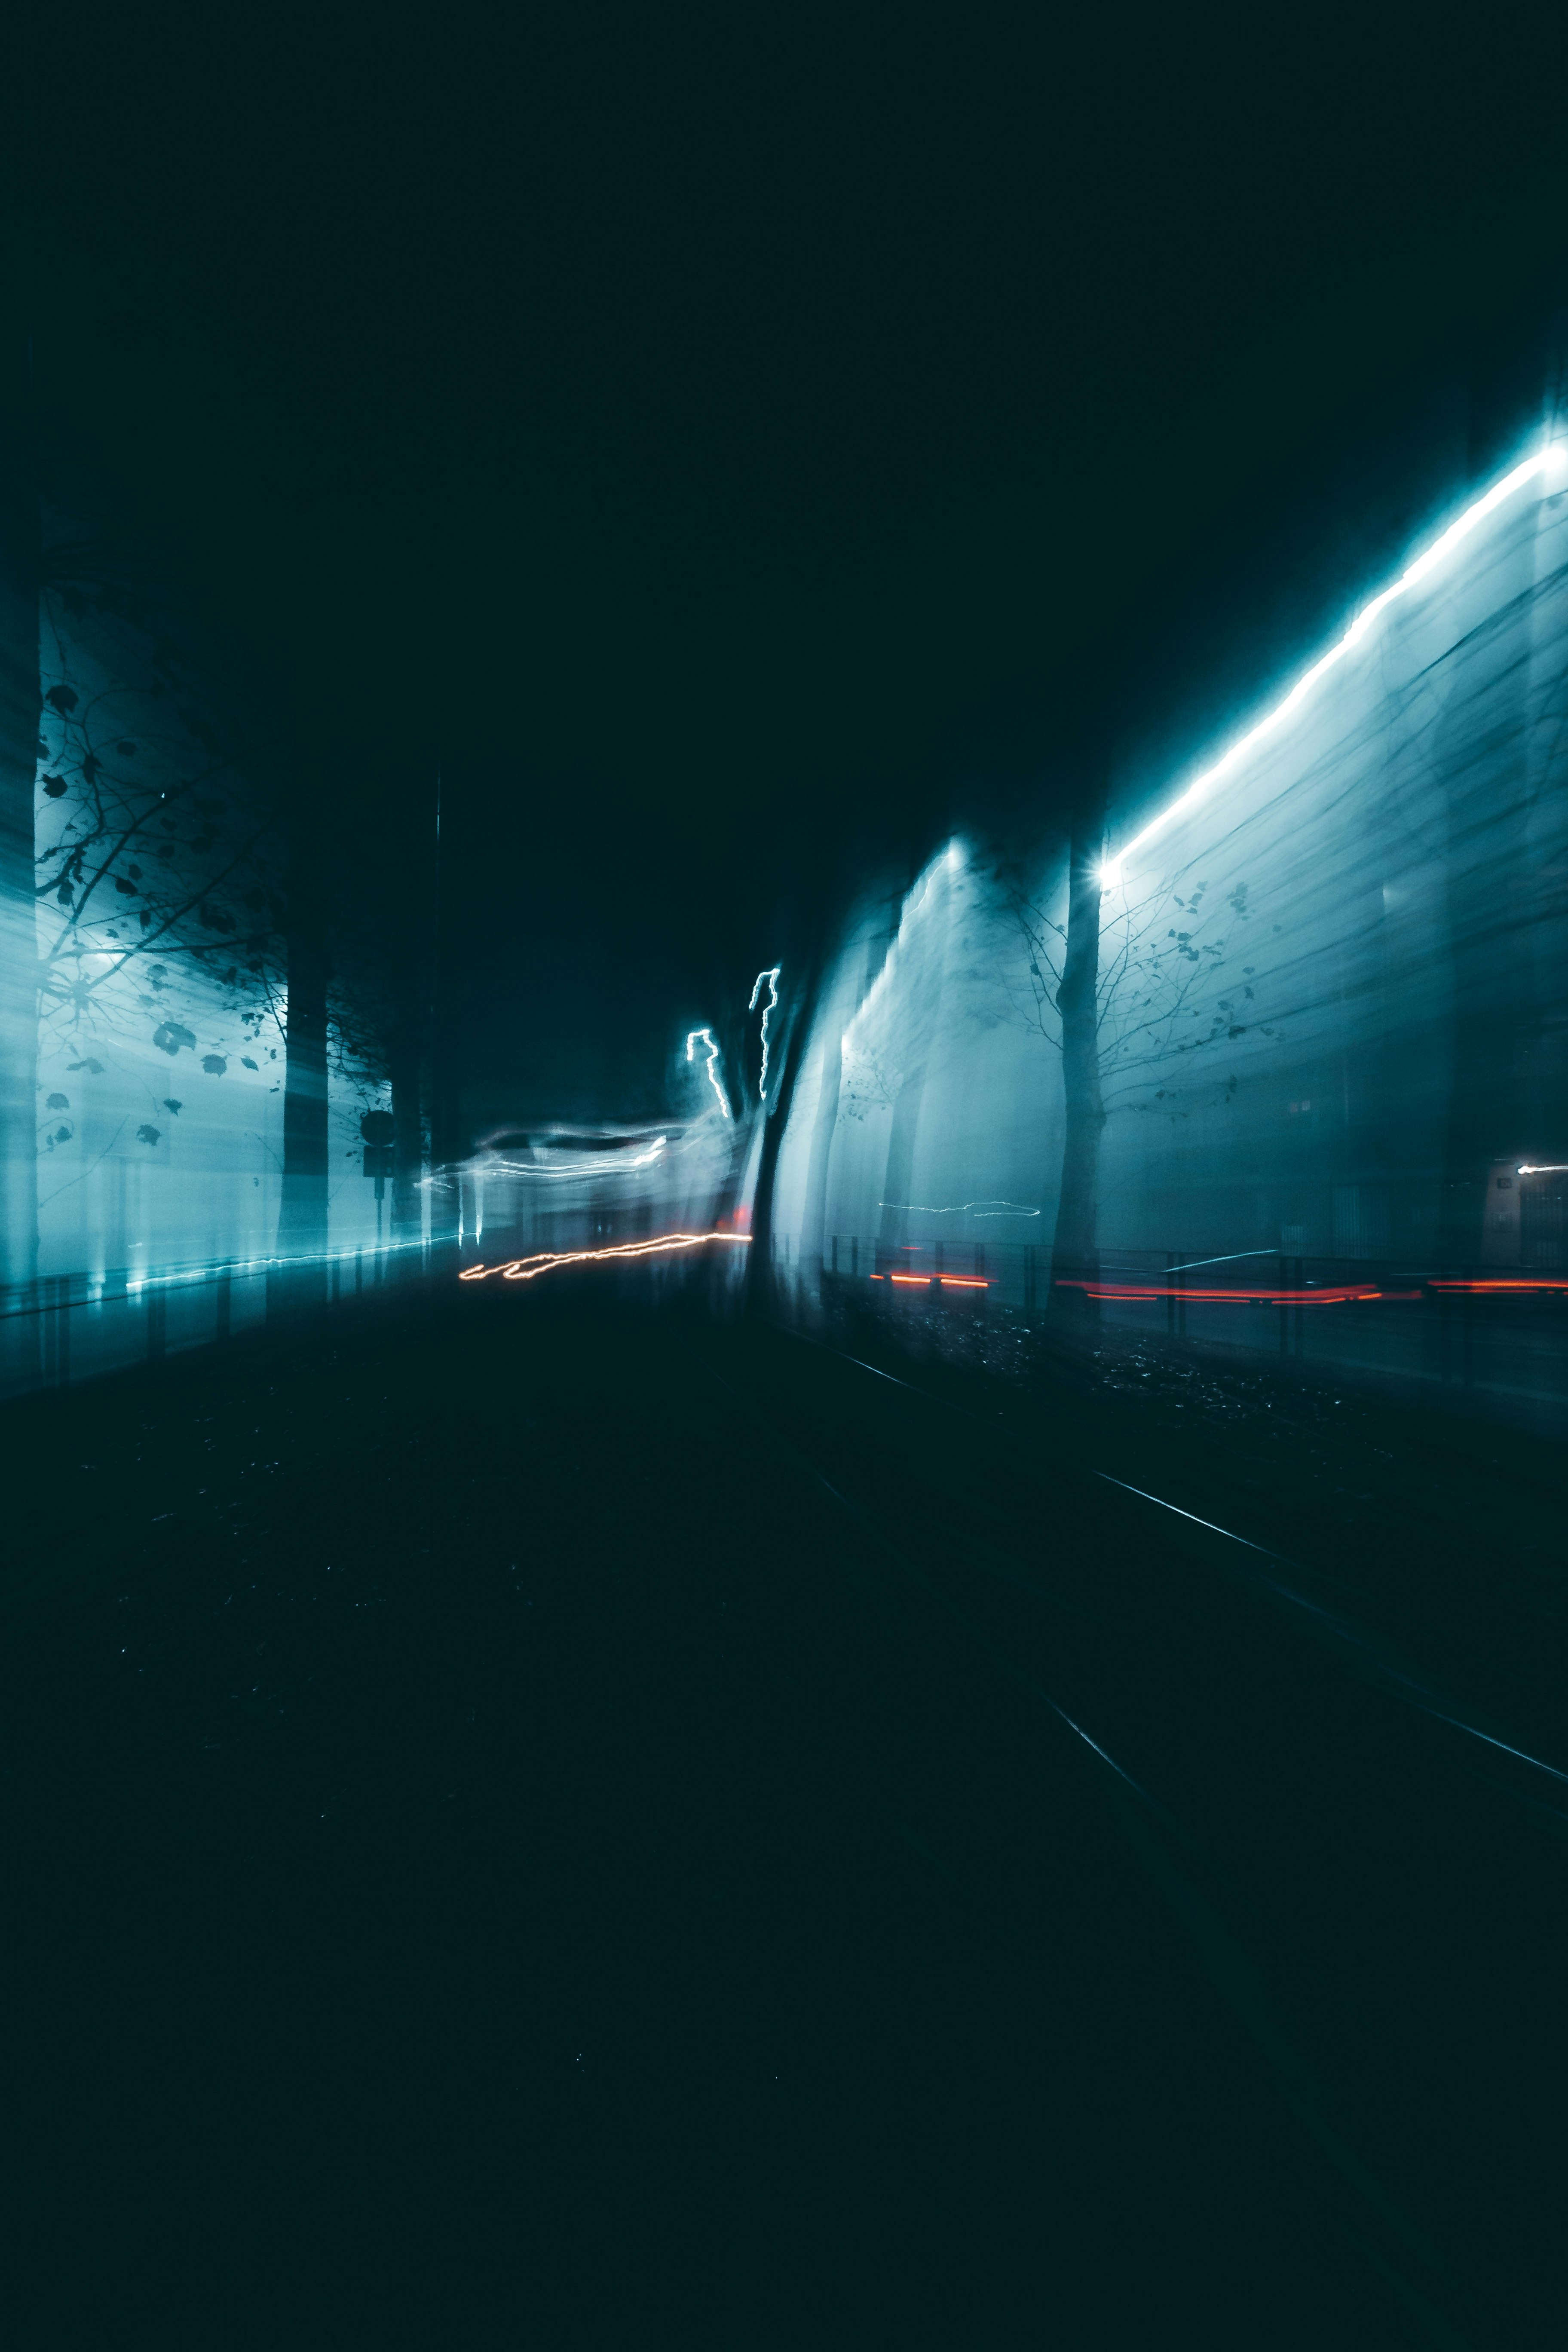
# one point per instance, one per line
(55, 786)
(96, 1067)
(171, 1107)
(170, 1035)
(57, 1102)
(62, 697)
(214, 1065)
(148, 1135)
(248, 1063)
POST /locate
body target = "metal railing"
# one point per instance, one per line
(68, 1327)
(1485, 1328)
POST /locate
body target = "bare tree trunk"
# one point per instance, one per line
(1074, 1255)
(1480, 754)
(302, 1220)
(448, 1140)
(812, 1240)
(898, 1173)
(408, 1137)
(760, 1284)
(19, 712)
(922, 1024)
(841, 1010)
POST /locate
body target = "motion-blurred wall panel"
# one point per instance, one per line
(1333, 1002)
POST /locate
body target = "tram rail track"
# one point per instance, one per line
(1175, 1853)
(1330, 1613)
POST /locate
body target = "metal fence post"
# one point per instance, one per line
(57, 1346)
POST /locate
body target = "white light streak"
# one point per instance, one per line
(707, 1036)
(981, 1209)
(771, 977)
(1546, 460)
(213, 1269)
(1548, 1168)
(606, 1163)
(1228, 1259)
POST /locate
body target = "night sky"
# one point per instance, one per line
(731, 454)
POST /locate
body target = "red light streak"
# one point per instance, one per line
(1324, 1297)
(1509, 1282)
(526, 1269)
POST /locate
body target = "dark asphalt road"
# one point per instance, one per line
(529, 1819)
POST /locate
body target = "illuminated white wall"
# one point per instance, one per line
(1376, 960)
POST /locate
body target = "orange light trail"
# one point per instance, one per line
(526, 1269)
(925, 1281)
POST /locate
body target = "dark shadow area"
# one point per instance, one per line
(530, 1814)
